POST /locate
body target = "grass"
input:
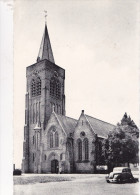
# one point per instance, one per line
(18, 180)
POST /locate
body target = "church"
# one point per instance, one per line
(54, 142)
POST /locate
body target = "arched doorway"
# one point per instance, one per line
(54, 166)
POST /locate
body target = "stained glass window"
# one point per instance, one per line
(56, 139)
(79, 149)
(86, 149)
(51, 140)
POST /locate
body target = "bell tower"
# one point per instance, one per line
(45, 91)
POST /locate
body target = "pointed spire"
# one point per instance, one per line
(45, 51)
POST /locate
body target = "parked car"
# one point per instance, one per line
(101, 169)
(17, 172)
(121, 175)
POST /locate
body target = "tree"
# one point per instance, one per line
(133, 129)
(121, 146)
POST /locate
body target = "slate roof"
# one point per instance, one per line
(45, 51)
(67, 123)
(101, 128)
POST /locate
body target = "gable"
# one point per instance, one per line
(83, 127)
(53, 121)
(83, 124)
(67, 124)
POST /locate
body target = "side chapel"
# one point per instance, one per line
(53, 141)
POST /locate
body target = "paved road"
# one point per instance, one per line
(84, 185)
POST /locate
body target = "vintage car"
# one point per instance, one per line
(121, 175)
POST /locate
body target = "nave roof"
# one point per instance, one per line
(99, 127)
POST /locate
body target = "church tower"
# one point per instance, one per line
(45, 90)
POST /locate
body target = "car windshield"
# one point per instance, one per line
(117, 170)
(120, 169)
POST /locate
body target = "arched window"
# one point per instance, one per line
(52, 87)
(33, 88)
(51, 140)
(56, 139)
(86, 149)
(45, 157)
(36, 87)
(55, 88)
(79, 149)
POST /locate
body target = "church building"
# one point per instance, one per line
(54, 142)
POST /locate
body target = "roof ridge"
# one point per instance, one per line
(66, 116)
(99, 120)
(59, 122)
(89, 123)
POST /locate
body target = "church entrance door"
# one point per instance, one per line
(54, 166)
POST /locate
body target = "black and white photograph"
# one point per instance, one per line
(76, 97)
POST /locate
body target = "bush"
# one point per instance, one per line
(17, 172)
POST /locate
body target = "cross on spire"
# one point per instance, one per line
(45, 51)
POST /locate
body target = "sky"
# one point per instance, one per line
(6, 99)
(96, 42)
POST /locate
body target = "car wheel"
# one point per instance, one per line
(119, 180)
(131, 180)
(134, 180)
